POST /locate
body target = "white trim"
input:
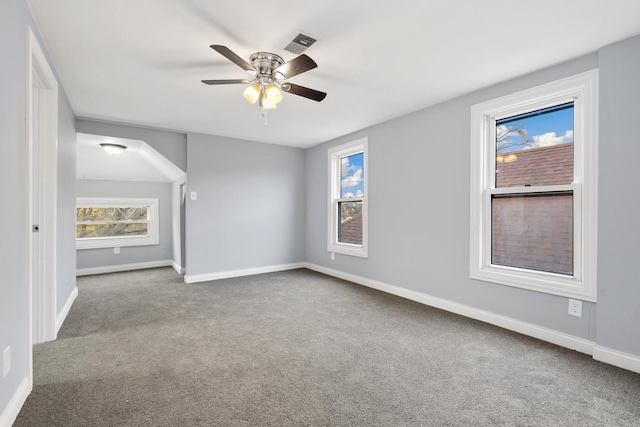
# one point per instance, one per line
(41, 318)
(123, 267)
(240, 273)
(11, 411)
(65, 310)
(177, 267)
(360, 145)
(544, 334)
(617, 358)
(582, 89)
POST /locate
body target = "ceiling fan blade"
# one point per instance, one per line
(296, 66)
(316, 95)
(225, 82)
(228, 53)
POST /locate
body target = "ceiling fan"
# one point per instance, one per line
(268, 71)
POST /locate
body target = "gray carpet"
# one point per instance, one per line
(298, 348)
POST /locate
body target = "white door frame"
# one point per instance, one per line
(42, 83)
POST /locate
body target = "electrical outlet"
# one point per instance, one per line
(194, 195)
(116, 250)
(575, 307)
(6, 361)
(333, 256)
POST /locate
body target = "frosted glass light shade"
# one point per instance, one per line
(252, 93)
(273, 94)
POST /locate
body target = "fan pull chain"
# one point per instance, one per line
(264, 114)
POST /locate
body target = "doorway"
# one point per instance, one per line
(42, 141)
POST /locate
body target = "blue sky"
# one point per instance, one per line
(544, 130)
(352, 176)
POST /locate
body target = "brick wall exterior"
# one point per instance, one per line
(351, 230)
(534, 232)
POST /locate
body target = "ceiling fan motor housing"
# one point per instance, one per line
(265, 62)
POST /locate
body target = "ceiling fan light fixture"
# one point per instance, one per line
(252, 93)
(113, 149)
(270, 70)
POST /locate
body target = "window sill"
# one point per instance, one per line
(351, 250)
(120, 242)
(549, 283)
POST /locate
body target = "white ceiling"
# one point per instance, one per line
(141, 61)
(139, 162)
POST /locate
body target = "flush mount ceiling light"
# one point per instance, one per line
(113, 149)
(268, 69)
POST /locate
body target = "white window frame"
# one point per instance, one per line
(334, 174)
(153, 227)
(582, 90)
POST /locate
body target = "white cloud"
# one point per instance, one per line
(550, 138)
(352, 180)
(346, 167)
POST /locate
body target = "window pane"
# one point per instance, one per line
(85, 231)
(350, 228)
(535, 148)
(533, 231)
(352, 176)
(111, 214)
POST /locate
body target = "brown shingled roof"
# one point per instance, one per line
(551, 165)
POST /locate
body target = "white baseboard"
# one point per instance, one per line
(11, 411)
(239, 273)
(544, 334)
(617, 358)
(177, 267)
(65, 310)
(123, 267)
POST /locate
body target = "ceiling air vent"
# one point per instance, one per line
(300, 43)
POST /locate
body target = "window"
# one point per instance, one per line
(107, 222)
(348, 216)
(533, 188)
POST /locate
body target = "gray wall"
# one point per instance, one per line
(13, 303)
(419, 210)
(14, 18)
(422, 160)
(66, 245)
(250, 207)
(619, 203)
(102, 257)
